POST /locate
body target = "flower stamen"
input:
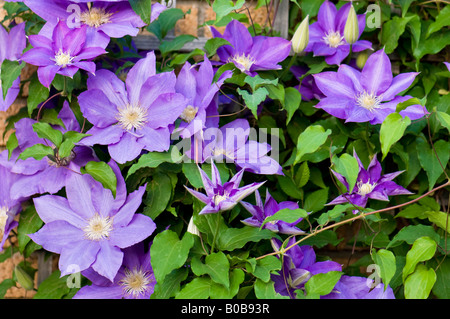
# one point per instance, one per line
(98, 228)
(189, 113)
(132, 117)
(95, 17)
(3, 220)
(245, 61)
(368, 101)
(136, 282)
(365, 188)
(333, 39)
(63, 59)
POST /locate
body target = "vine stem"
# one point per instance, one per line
(362, 215)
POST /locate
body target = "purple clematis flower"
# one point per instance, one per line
(231, 143)
(9, 207)
(447, 65)
(200, 91)
(250, 54)
(261, 211)
(326, 35)
(369, 184)
(63, 53)
(46, 175)
(354, 287)
(90, 227)
(132, 116)
(299, 264)
(369, 95)
(221, 197)
(134, 280)
(12, 45)
(103, 19)
(308, 88)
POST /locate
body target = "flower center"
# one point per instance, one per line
(189, 113)
(98, 228)
(136, 282)
(333, 39)
(219, 198)
(3, 220)
(368, 101)
(95, 17)
(244, 61)
(365, 188)
(62, 59)
(132, 116)
(221, 151)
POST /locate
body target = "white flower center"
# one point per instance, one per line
(3, 220)
(219, 198)
(95, 17)
(189, 113)
(62, 59)
(136, 282)
(333, 39)
(98, 228)
(221, 151)
(132, 116)
(368, 101)
(244, 61)
(365, 188)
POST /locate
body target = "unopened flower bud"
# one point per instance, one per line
(361, 59)
(23, 278)
(192, 228)
(301, 36)
(351, 30)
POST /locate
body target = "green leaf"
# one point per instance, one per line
(257, 81)
(442, 286)
(265, 267)
(153, 159)
(159, 193)
(316, 200)
(442, 20)
(170, 286)
(391, 131)
(253, 100)
(347, 166)
(391, 32)
(69, 140)
(292, 100)
(444, 119)
(198, 288)
(322, 284)
(410, 233)
(218, 291)
(418, 285)
(11, 144)
(10, 71)
(403, 105)
(216, 266)
(287, 215)
(102, 173)
(310, 140)
(168, 252)
(302, 175)
(235, 238)
(143, 8)
(430, 162)
(165, 22)
(45, 131)
(213, 44)
(385, 259)
(224, 7)
(5, 285)
(37, 151)
(441, 219)
(266, 290)
(37, 94)
(53, 287)
(289, 187)
(176, 44)
(423, 249)
(29, 222)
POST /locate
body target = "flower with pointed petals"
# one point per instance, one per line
(299, 264)
(48, 175)
(132, 116)
(369, 184)
(103, 19)
(221, 197)
(231, 144)
(250, 54)
(63, 53)
(134, 280)
(12, 45)
(355, 287)
(90, 227)
(196, 84)
(369, 95)
(326, 35)
(9, 206)
(261, 211)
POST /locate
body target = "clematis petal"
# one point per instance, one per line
(107, 82)
(52, 208)
(327, 16)
(97, 108)
(332, 84)
(131, 205)
(376, 76)
(78, 189)
(127, 149)
(137, 76)
(108, 261)
(139, 228)
(103, 136)
(399, 84)
(155, 140)
(46, 74)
